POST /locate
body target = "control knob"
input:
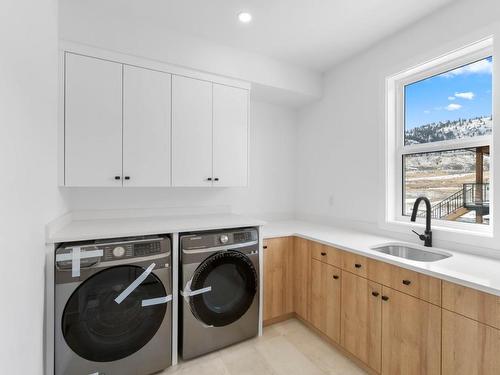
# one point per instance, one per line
(118, 251)
(224, 238)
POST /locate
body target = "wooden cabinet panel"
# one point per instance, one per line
(191, 132)
(327, 254)
(230, 136)
(301, 277)
(277, 277)
(354, 263)
(146, 127)
(92, 122)
(474, 304)
(416, 284)
(469, 347)
(361, 322)
(325, 299)
(411, 335)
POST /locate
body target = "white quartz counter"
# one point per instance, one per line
(473, 271)
(78, 230)
(465, 269)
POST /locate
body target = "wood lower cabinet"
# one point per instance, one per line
(277, 277)
(469, 347)
(325, 299)
(387, 317)
(361, 322)
(411, 335)
(301, 277)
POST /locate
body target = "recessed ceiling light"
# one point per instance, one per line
(245, 17)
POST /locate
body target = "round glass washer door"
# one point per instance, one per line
(233, 279)
(100, 330)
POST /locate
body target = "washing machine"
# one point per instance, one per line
(219, 281)
(113, 313)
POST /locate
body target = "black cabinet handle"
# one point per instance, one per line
(209, 179)
(385, 298)
(407, 282)
(127, 177)
(264, 247)
(117, 177)
(375, 294)
(216, 179)
(335, 277)
(323, 253)
(357, 265)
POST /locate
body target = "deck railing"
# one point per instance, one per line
(471, 196)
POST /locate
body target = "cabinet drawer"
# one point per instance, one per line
(357, 264)
(410, 282)
(480, 306)
(326, 254)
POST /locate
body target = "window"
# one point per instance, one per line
(442, 128)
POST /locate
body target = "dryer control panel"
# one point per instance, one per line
(221, 238)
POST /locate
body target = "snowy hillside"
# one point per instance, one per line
(442, 131)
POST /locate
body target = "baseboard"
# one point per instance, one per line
(278, 319)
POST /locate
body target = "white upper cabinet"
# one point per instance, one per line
(146, 127)
(191, 132)
(129, 125)
(92, 122)
(230, 136)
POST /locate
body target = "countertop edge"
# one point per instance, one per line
(157, 226)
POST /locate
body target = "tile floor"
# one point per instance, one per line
(287, 348)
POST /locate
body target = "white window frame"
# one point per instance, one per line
(395, 133)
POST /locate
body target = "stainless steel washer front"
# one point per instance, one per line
(220, 289)
(96, 332)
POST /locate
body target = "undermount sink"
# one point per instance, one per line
(411, 252)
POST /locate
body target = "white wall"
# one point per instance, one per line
(29, 197)
(271, 192)
(102, 25)
(341, 138)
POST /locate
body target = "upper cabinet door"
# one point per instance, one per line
(146, 127)
(191, 132)
(230, 136)
(93, 122)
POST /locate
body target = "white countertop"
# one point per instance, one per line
(79, 230)
(473, 271)
(465, 269)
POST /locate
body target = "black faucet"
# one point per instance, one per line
(427, 236)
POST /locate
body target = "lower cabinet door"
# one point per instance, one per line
(325, 299)
(277, 277)
(411, 335)
(301, 276)
(361, 319)
(469, 347)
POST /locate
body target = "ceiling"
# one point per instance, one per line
(314, 34)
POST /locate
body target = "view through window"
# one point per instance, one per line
(453, 108)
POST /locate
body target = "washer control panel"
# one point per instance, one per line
(125, 249)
